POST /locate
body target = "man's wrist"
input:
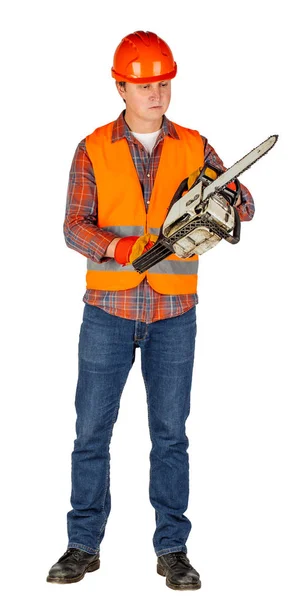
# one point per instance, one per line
(110, 250)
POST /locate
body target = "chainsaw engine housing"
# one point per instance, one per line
(212, 219)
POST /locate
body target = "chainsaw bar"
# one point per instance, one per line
(195, 192)
(239, 167)
(163, 246)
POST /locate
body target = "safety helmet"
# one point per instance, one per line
(142, 56)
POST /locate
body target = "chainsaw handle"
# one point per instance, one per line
(235, 237)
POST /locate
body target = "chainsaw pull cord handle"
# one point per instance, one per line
(235, 237)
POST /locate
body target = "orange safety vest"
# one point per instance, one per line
(121, 207)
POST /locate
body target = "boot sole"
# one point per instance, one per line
(180, 586)
(91, 567)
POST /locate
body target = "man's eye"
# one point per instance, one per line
(148, 85)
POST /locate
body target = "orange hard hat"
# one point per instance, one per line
(142, 56)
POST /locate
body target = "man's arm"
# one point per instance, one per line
(246, 208)
(80, 227)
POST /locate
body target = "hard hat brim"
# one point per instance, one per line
(133, 79)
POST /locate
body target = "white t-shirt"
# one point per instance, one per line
(147, 139)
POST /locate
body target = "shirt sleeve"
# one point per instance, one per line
(246, 209)
(80, 227)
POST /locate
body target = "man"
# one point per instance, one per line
(122, 180)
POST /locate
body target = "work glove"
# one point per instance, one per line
(129, 248)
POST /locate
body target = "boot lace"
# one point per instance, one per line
(75, 553)
(177, 556)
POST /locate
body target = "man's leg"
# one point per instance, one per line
(106, 355)
(167, 358)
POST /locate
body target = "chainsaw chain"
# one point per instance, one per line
(164, 248)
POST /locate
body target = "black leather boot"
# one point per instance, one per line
(180, 575)
(72, 566)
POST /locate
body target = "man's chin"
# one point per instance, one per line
(154, 113)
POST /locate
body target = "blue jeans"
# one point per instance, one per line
(107, 345)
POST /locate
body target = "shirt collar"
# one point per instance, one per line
(121, 129)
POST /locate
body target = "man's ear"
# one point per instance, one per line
(119, 88)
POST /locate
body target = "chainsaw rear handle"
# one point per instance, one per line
(235, 237)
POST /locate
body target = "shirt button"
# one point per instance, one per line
(148, 174)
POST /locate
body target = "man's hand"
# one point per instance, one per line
(213, 174)
(129, 248)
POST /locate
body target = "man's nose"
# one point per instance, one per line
(155, 94)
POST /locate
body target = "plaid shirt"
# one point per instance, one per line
(82, 233)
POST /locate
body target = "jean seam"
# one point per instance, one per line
(173, 549)
(108, 465)
(81, 546)
(144, 372)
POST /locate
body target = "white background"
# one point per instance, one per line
(236, 84)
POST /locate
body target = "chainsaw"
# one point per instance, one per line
(202, 212)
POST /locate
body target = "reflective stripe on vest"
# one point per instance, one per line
(121, 207)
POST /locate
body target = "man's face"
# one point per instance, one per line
(147, 101)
